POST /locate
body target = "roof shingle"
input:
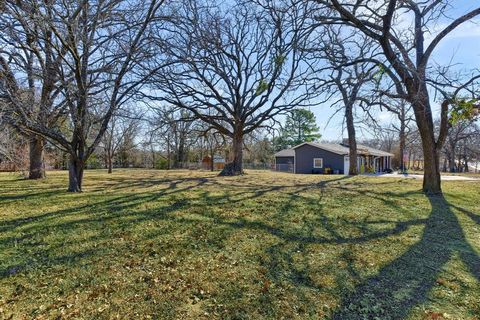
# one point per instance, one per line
(336, 148)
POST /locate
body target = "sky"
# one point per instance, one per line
(461, 47)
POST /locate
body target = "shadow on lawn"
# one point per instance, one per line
(399, 286)
(407, 280)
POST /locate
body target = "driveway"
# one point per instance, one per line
(419, 176)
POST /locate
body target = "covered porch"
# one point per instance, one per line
(367, 163)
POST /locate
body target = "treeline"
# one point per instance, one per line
(72, 72)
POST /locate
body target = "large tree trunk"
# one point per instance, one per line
(37, 168)
(75, 175)
(430, 145)
(352, 140)
(235, 167)
(431, 165)
(431, 176)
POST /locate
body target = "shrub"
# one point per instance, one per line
(362, 168)
(161, 164)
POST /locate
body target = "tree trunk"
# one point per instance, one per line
(431, 147)
(75, 175)
(168, 153)
(181, 152)
(460, 166)
(110, 164)
(37, 168)
(212, 156)
(402, 143)
(352, 141)
(445, 164)
(409, 159)
(235, 168)
(451, 158)
(465, 162)
(431, 165)
(153, 158)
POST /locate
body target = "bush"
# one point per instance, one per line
(161, 164)
(362, 168)
(93, 162)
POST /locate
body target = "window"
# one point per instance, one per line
(318, 163)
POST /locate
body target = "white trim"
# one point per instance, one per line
(294, 161)
(302, 144)
(315, 167)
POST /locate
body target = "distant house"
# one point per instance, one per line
(218, 163)
(312, 157)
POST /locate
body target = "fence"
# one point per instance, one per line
(284, 167)
(257, 166)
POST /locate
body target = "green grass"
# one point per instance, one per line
(190, 245)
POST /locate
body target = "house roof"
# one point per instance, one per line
(335, 148)
(285, 153)
(332, 147)
(375, 152)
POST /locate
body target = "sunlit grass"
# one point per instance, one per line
(189, 245)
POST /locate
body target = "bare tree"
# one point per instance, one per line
(236, 68)
(456, 144)
(28, 71)
(403, 114)
(349, 80)
(101, 44)
(408, 54)
(213, 141)
(120, 129)
(176, 128)
(13, 148)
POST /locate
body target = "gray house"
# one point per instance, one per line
(312, 157)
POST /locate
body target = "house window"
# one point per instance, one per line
(318, 163)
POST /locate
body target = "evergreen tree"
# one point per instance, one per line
(300, 126)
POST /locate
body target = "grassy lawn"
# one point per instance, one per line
(189, 245)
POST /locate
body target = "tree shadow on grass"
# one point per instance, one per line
(407, 280)
(391, 294)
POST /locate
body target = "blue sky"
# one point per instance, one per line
(461, 47)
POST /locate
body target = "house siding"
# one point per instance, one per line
(284, 160)
(305, 154)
